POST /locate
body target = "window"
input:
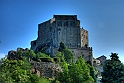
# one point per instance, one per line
(86, 37)
(66, 23)
(50, 28)
(59, 33)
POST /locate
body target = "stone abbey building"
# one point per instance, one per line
(66, 29)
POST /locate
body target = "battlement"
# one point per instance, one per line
(85, 48)
(65, 17)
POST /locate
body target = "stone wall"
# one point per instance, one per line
(66, 30)
(102, 59)
(86, 53)
(46, 69)
(84, 37)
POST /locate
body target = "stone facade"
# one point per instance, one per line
(86, 53)
(98, 63)
(102, 59)
(66, 29)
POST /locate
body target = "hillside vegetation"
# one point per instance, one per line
(15, 68)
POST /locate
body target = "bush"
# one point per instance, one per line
(47, 59)
(43, 80)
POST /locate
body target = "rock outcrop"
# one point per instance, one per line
(46, 69)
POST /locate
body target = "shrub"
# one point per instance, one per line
(47, 59)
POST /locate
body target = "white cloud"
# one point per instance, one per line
(2, 55)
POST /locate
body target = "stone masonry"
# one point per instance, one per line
(66, 29)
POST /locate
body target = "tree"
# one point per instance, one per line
(79, 72)
(61, 56)
(43, 80)
(32, 54)
(13, 71)
(68, 55)
(63, 77)
(114, 57)
(61, 47)
(92, 72)
(75, 73)
(18, 71)
(19, 54)
(113, 70)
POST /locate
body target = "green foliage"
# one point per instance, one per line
(47, 59)
(61, 47)
(18, 71)
(89, 62)
(79, 72)
(113, 70)
(39, 55)
(29, 55)
(43, 80)
(63, 76)
(64, 66)
(114, 57)
(12, 71)
(19, 54)
(75, 73)
(68, 55)
(92, 72)
(61, 56)
(26, 65)
(26, 53)
(32, 54)
(33, 79)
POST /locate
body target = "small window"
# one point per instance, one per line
(50, 28)
(86, 37)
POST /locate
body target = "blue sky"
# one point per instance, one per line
(102, 18)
